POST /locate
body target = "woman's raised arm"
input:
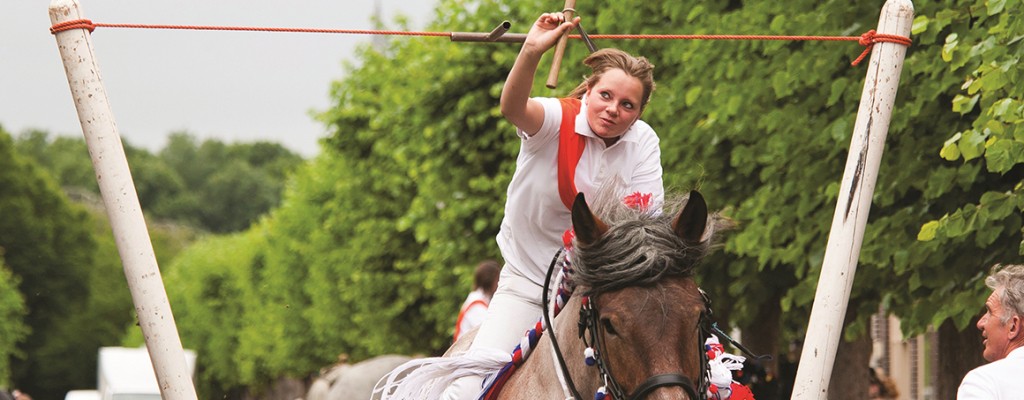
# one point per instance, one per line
(516, 105)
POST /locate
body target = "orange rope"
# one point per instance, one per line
(87, 24)
(868, 39)
(725, 37)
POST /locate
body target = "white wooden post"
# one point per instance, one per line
(825, 327)
(122, 204)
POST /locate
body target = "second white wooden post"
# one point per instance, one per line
(825, 328)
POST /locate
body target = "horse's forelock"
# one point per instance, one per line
(640, 248)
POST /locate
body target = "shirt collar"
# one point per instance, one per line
(583, 128)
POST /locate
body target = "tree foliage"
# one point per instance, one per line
(981, 48)
(212, 185)
(212, 289)
(62, 258)
(12, 327)
(48, 247)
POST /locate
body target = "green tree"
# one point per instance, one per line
(991, 99)
(97, 316)
(48, 246)
(12, 326)
(236, 195)
(212, 293)
(211, 185)
(67, 159)
(982, 181)
(225, 188)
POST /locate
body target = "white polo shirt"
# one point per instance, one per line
(472, 312)
(535, 217)
(997, 380)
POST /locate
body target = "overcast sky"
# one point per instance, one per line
(232, 86)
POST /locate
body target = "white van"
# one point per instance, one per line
(83, 395)
(127, 374)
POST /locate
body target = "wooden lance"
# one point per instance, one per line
(556, 63)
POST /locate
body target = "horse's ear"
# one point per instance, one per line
(587, 226)
(692, 219)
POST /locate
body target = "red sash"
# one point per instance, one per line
(462, 313)
(570, 150)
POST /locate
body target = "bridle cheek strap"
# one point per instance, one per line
(663, 380)
(590, 314)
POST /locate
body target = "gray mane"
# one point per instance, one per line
(639, 248)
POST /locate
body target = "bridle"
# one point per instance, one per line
(589, 323)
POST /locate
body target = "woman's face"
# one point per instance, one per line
(613, 103)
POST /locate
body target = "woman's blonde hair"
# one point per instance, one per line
(604, 60)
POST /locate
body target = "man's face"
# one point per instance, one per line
(994, 333)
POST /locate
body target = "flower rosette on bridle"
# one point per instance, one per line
(720, 367)
(638, 201)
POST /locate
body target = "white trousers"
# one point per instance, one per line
(514, 309)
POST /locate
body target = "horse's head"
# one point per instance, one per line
(637, 269)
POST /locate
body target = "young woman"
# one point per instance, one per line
(593, 138)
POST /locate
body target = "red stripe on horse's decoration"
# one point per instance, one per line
(570, 149)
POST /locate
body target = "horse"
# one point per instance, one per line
(353, 381)
(635, 306)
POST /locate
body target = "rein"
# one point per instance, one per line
(547, 321)
(589, 317)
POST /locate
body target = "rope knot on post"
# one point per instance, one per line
(869, 38)
(74, 24)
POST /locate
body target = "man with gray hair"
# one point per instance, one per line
(1002, 330)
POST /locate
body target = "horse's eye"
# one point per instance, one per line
(607, 323)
